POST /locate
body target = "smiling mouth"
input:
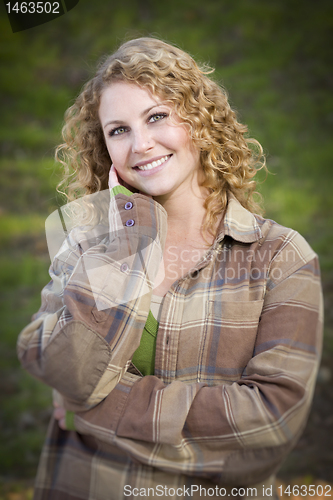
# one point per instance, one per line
(153, 164)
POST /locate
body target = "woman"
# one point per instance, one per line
(181, 332)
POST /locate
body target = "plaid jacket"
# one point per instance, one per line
(237, 353)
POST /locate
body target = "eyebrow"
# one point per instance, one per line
(144, 112)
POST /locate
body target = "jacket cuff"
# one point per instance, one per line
(103, 420)
(119, 190)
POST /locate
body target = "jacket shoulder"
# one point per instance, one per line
(288, 248)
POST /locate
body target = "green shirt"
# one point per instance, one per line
(144, 357)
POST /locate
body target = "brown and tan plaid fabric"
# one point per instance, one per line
(237, 353)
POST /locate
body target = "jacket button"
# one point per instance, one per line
(129, 223)
(124, 267)
(128, 205)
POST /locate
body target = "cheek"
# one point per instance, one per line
(182, 141)
(109, 151)
(115, 154)
(189, 149)
(107, 145)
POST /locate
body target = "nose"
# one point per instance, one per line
(142, 141)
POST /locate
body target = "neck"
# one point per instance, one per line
(186, 212)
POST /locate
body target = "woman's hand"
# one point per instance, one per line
(59, 414)
(115, 180)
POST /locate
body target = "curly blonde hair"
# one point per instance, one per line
(229, 159)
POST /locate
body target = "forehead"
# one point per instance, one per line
(122, 95)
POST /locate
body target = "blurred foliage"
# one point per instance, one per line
(272, 56)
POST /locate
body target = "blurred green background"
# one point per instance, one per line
(274, 58)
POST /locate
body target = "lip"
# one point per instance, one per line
(142, 163)
(154, 170)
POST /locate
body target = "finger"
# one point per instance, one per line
(62, 424)
(113, 178)
(59, 413)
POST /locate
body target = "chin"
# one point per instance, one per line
(154, 192)
(158, 192)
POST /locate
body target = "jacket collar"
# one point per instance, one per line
(238, 223)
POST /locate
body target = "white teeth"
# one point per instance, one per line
(154, 164)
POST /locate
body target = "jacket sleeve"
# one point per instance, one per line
(95, 307)
(236, 433)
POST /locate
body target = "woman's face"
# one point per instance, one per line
(148, 145)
